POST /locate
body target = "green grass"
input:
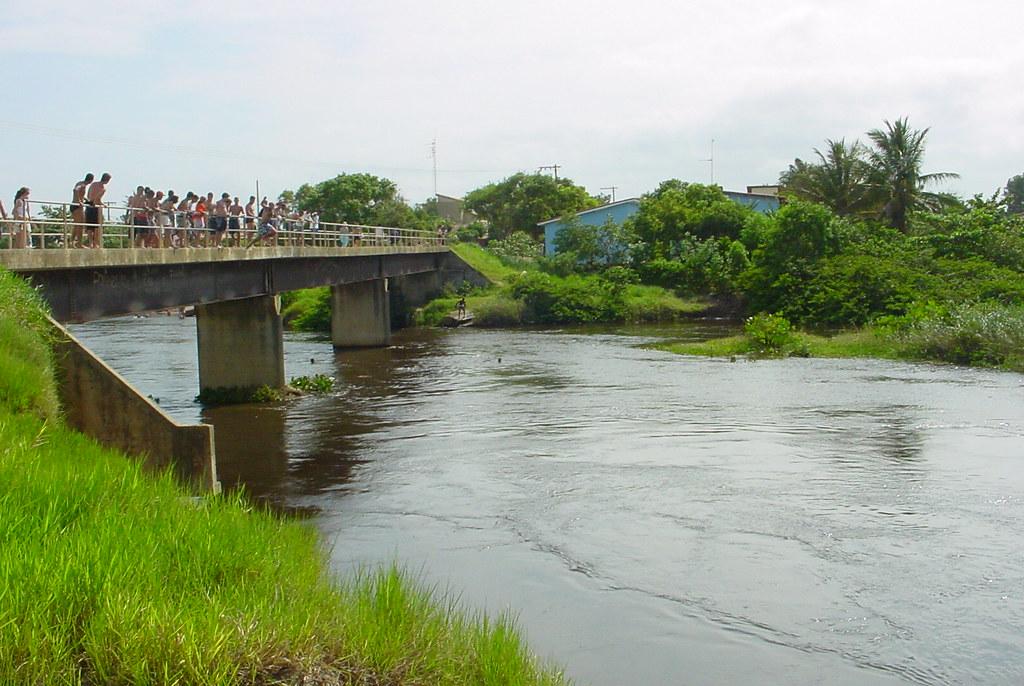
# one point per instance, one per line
(110, 575)
(26, 372)
(308, 309)
(715, 347)
(866, 342)
(487, 263)
(492, 307)
(656, 304)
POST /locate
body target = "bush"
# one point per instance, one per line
(517, 246)
(496, 310)
(307, 310)
(855, 289)
(770, 334)
(551, 300)
(986, 334)
(318, 383)
(472, 232)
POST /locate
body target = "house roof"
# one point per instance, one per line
(593, 209)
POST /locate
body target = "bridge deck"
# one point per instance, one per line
(27, 260)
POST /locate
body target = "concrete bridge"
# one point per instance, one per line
(238, 318)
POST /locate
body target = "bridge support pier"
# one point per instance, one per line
(360, 314)
(241, 344)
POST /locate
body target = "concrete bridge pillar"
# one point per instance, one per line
(241, 343)
(360, 314)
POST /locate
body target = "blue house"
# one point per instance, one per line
(620, 211)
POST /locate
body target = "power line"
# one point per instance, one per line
(553, 167)
(610, 188)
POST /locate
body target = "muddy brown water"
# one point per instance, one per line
(650, 518)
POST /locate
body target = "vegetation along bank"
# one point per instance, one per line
(115, 576)
(862, 245)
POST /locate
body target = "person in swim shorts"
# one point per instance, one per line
(78, 210)
(94, 210)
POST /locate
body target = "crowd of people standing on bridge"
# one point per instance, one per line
(161, 219)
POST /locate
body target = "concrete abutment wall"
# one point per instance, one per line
(100, 403)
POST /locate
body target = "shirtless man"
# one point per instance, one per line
(268, 226)
(166, 217)
(250, 217)
(138, 215)
(235, 223)
(78, 210)
(94, 210)
(153, 232)
(219, 223)
(184, 219)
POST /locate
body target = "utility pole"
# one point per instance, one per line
(712, 161)
(612, 189)
(433, 155)
(552, 167)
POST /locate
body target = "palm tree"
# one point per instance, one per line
(895, 163)
(838, 180)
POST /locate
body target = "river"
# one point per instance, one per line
(651, 518)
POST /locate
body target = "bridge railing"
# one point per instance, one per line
(119, 231)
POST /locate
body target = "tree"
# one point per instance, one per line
(839, 180)
(1015, 194)
(677, 210)
(356, 199)
(521, 201)
(593, 247)
(895, 162)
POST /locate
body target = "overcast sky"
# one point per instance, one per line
(210, 96)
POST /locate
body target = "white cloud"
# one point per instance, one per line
(617, 94)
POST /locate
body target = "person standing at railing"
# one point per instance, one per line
(165, 212)
(199, 220)
(219, 220)
(152, 233)
(94, 210)
(139, 215)
(20, 211)
(78, 210)
(250, 218)
(235, 223)
(184, 219)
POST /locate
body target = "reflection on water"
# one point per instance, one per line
(652, 518)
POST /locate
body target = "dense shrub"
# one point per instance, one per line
(980, 334)
(574, 299)
(698, 266)
(677, 209)
(977, 279)
(307, 310)
(770, 334)
(517, 246)
(855, 289)
(592, 247)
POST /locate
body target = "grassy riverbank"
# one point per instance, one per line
(980, 335)
(521, 294)
(113, 576)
